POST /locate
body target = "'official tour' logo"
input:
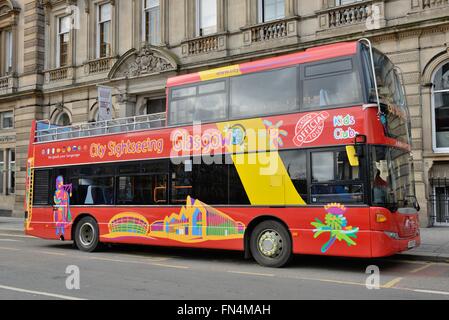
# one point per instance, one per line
(310, 127)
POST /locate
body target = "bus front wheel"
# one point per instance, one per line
(87, 235)
(270, 244)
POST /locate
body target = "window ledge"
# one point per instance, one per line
(204, 44)
(8, 84)
(426, 5)
(100, 65)
(351, 14)
(59, 74)
(271, 30)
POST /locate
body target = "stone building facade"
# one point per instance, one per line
(54, 54)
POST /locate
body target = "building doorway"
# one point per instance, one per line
(440, 202)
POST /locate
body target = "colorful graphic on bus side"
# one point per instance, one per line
(196, 222)
(336, 225)
(62, 215)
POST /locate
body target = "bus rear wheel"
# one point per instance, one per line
(87, 235)
(270, 244)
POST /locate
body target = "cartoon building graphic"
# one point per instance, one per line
(128, 225)
(197, 222)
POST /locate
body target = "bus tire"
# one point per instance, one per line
(270, 244)
(87, 233)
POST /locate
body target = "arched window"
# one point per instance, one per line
(63, 120)
(440, 109)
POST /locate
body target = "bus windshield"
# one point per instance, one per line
(395, 116)
(392, 178)
(389, 85)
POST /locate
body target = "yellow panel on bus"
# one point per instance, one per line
(263, 173)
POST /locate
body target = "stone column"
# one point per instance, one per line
(221, 16)
(290, 8)
(115, 23)
(35, 20)
(126, 105)
(165, 22)
(190, 19)
(2, 53)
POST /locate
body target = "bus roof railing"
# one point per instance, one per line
(46, 132)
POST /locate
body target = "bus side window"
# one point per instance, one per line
(142, 190)
(41, 190)
(181, 184)
(295, 163)
(98, 191)
(330, 84)
(334, 179)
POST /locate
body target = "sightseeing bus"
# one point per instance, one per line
(307, 153)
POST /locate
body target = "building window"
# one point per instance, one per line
(63, 41)
(152, 21)
(156, 106)
(441, 109)
(8, 51)
(206, 17)
(271, 10)
(11, 171)
(7, 120)
(63, 120)
(104, 30)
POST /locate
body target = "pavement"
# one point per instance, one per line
(434, 246)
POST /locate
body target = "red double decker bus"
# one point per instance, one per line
(307, 153)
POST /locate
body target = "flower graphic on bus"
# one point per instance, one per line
(275, 133)
(61, 211)
(336, 225)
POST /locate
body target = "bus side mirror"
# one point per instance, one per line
(352, 156)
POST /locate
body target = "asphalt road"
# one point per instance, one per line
(36, 269)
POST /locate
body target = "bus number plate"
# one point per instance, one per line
(412, 244)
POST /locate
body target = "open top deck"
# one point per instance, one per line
(46, 132)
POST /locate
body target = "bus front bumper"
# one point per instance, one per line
(385, 244)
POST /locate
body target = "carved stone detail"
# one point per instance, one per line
(145, 61)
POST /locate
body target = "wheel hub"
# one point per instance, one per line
(87, 234)
(270, 243)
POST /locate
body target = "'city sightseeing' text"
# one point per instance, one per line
(123, 148)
